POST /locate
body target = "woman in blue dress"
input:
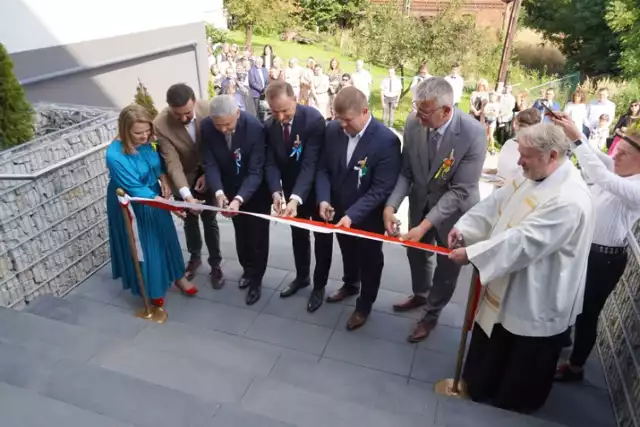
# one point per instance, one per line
(135, 166)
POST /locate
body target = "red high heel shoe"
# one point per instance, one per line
(158, 302)
(186, 292)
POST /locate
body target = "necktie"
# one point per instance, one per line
(391, 86)
(433, 145)
(229, 138)
(287, 136)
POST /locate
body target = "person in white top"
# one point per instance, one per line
(390, 91)
(576, 108)
(598, 136)
(597, 108)
(615, 191)
(530, 243)
(293, 75)
(362, 79)
(457, 83)
(423, 74)
(505, 121)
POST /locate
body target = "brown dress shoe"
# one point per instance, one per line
(356, 320)
(421, 331)
(414, 301)
(192, 267)
(343, 293)
(217, 277)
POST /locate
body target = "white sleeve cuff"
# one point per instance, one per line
(219, 193)
(296, 198)
(240, 199)
(185, 192)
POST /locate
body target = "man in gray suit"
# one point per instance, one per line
(442, 157)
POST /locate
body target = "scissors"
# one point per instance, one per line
(330, 213)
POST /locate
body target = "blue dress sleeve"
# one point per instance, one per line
(128, 180)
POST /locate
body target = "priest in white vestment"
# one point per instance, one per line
(530, 242)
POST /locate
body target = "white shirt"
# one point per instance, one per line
(542, 256)
(577, 112)
(391, 87)
(508, 167)
(596, 109)
(457, 83)
(617, 199)
(191, 130)
(507, 104)
(362, 80)
(353, 141)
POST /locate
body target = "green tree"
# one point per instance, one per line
(16, 115)
(326, 15)
(623, 17)
(579, 29)
(144, 98)
(269, 15)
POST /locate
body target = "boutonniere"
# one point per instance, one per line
(296, 149)
(445, 167)
(237, 156)
(362, 169)
(154, 145)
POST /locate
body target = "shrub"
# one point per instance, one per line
(144, 98)
(16, 115)
(216, 35)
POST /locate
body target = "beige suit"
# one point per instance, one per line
(181, 155)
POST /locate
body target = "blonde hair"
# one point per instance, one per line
(130, 115)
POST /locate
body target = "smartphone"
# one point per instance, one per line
(549, 112)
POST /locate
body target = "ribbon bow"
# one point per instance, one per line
(362, 169)
(296, 150)
(237, 155)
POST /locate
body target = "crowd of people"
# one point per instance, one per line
(549, 247)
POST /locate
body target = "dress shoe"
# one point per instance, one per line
(315, 300)
(244, 282)
(191, 292)
(566, 373)
(254, 293)
(414, 301)
(191, 268)
(356, 320)
(294, 287)
(343, 293)
(158, 302)
(217, 277)
(421, 331)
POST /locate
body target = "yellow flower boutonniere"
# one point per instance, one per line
(445, 167)
(154, 145)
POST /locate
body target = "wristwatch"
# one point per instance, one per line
(577, 143)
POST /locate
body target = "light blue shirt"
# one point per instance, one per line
(443, 129)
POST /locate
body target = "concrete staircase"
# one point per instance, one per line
(87, 361)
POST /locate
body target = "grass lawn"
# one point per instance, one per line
(323, 52)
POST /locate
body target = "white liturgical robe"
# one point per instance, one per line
(530, 242)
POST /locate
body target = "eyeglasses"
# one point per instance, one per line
(424, 114)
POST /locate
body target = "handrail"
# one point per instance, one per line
(117, 61)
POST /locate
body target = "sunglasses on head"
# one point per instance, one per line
(631, 142)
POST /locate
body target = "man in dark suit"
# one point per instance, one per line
(357, 172)
(258, 79)
(295, 136)
(233, 149)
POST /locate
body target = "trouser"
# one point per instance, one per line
(389, 105)
(323, 249)
(252, 245)
(503, 132)
(603, 273)
(363, 261)
(259, 112)
(210, 228)
(437, 286)
(511, 371)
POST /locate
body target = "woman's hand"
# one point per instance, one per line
(165, 187)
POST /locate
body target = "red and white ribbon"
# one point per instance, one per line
(124, 201)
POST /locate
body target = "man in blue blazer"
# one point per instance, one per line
(258, 79)
(357, 173)
(295, 136)
(233, 150)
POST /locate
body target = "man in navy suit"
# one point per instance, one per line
(357, 173)
(258, 79)
(233, 150)
(295, 136)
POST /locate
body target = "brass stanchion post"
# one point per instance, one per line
(453, 387)
(148, 312)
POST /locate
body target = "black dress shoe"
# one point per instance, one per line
(315, 300)
(254, 293)
(294, 287)
(244, 282)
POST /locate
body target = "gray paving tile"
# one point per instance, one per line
(453, 315)
(272, 279)
(22, 408)
(221, 317)
(100, 287)
(384, 304)
(384, 326)
(24, 368)
(432, 366)
(124, 398)
(295, 307)
(345, 381)
(370, 352)
(94, 315)
(443, 339)
(234, 416)
(40, 334)
(453, 412)
(291, 334)
(205, 380)
(125, 299)
(594, 406)
(304, 408)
